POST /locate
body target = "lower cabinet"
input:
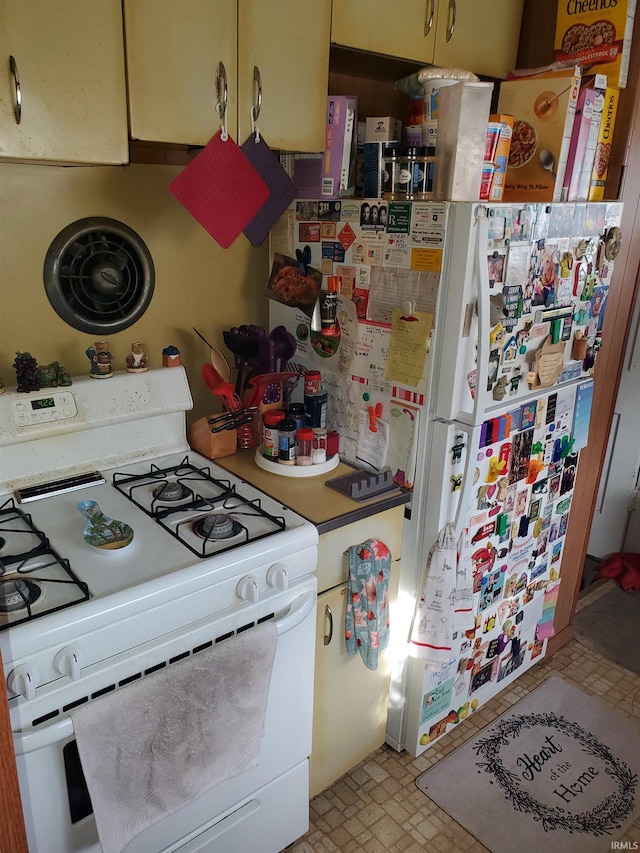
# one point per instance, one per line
(350, 700)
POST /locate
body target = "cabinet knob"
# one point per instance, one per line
(69, 662)
(277, 577)
(248, 589)
(24, 680)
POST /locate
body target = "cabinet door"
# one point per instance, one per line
(69, 56)
(288, 42)
(404, 28)
(173, 51)
(479, 35)
(350, 701)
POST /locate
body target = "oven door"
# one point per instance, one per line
(268, 802)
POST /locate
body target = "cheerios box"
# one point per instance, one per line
(596, 34)
(543, 106)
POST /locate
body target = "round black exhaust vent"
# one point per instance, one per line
(99, 275)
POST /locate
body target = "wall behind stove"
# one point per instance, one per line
(197, 283)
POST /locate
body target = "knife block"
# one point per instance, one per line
(209, 444)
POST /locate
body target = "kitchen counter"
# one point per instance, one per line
(309, 496)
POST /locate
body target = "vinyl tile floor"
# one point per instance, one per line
(377, 808)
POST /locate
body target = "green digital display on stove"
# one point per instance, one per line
(43, 403)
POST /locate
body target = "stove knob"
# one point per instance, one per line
(277, 576)
(24, 680)
(68, 661)
(248, 589)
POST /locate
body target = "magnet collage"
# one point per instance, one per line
(549, 272)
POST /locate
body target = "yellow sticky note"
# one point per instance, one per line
(408, 347)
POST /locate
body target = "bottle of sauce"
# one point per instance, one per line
(270, 441)
(287, 442)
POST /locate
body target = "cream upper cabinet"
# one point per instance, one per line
(288, 41)
(477, 35)
(403, 28)
(63, 90)
(173, 54)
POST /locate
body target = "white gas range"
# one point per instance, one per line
(209, 557)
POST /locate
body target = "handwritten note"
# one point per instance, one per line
(408, 347)
(372, 446)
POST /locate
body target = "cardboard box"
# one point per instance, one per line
(383, 129)
(603, 145)
(339, 158)
(598, 35)
(599, 86)
(307, 175)
(578, 144)
(501, 155)
(543, 106)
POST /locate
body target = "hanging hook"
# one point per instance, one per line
(221, 106)
(257, 101)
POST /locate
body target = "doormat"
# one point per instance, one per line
(609, 625)
(558, 771)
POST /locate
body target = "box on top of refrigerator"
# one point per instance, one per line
(339, 158)
(543, 106)
(596, 34)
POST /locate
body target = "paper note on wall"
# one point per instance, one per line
(408, 347)
(372, 446)
(401, 455)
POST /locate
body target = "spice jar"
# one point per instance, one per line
(315, 409)
(270, 442)
(296, 413)
(304, 439)
(319, 446)
(312, 379)
(412, 175)
(287, 442)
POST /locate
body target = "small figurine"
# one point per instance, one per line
(500, 388)
(171, 357)
(137, 359)
(27, 373)
(100, 359)
(52, 375)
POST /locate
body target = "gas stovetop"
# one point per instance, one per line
(153, 539)
(34, 578)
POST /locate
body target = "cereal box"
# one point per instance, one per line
(603, 145)
(543, 106)
(500, 156)
(597, 34)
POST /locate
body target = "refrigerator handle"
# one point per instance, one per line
(481, 399)
(464, 499)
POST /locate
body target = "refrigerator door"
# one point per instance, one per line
(507, 485)
(536, 288)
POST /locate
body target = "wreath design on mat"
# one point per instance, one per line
(601, 820)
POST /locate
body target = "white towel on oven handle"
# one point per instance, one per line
(154, 745)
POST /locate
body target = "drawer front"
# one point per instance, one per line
(332, 563)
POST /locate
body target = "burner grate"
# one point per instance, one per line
(209, 496)
(38, 566)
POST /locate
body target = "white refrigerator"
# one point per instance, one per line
(508, 303)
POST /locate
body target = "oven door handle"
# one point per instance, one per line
(41, 738)
(299, 609)
(62, 729)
